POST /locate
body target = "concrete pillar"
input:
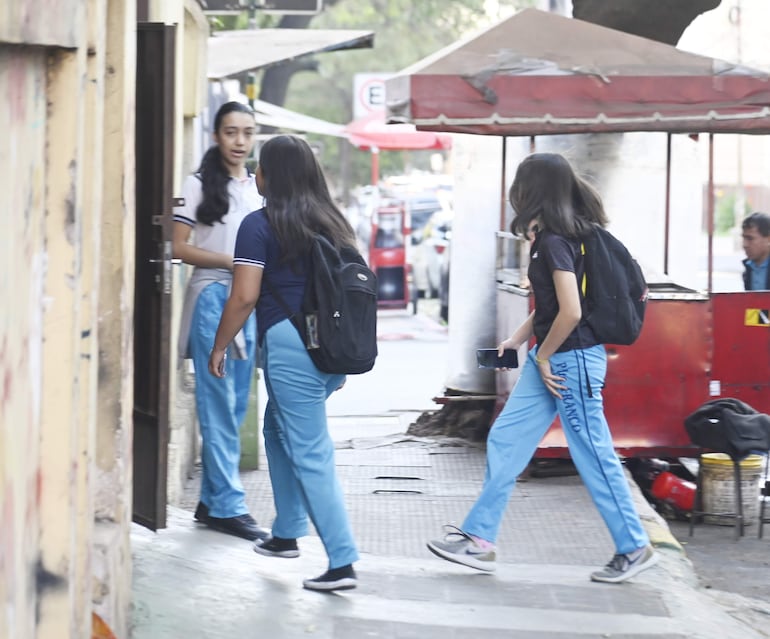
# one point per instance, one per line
(60, 615)
(22, 245)
(113, 460)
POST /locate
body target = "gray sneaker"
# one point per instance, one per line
(460, 548)
(622, 567)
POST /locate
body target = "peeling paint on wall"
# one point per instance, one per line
(20, 22)
(70, 226)
(22, 80)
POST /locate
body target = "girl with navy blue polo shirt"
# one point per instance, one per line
(271, 253)
(554, 207)
(216, 199)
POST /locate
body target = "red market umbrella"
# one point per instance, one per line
(372, 133)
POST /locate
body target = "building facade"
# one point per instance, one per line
(69, 246)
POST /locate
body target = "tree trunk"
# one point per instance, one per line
(275, 82)
(660, 20)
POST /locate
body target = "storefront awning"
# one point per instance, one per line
(233, 52)
(272, 115)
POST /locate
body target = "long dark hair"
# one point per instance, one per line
(546, 187)
(214, 175)
(297, 199)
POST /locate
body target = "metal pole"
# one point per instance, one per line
(252, 15)
(710, 214)
(251, 88)
(502, 185)
(667, 224)
(375, 177)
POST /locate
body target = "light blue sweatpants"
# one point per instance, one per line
(300, 451)
(221, 405)
(520, 427)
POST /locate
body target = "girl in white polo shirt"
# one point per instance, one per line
(216, 199)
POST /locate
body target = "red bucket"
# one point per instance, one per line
(674, 490)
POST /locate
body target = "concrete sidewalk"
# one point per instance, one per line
(191, 582)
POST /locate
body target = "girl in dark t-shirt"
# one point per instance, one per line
(555, 208)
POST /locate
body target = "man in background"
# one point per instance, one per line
(756, 244)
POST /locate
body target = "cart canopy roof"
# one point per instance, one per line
(541, 73)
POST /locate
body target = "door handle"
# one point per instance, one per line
(163, 279)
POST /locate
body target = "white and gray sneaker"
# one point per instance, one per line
(622, 567)
(460, 547)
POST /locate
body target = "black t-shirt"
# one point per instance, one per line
(549, 253)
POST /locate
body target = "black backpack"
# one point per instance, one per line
(338, 319)
(613, 287)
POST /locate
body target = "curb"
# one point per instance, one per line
(657, 528)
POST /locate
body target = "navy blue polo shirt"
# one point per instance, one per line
(256, 245)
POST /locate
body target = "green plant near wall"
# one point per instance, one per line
(725, 217)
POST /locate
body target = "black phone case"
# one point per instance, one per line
(487, 358)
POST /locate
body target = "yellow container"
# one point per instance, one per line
(718, 487)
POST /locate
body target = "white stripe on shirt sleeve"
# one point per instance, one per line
(248, 262)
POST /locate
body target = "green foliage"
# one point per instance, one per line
(726, 217)
(232, 22)
(405, 31)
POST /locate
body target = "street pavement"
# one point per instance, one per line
(191, 582)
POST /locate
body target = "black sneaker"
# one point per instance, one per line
(343, 578)
(201, 513)
(277, 547)
(243, 526)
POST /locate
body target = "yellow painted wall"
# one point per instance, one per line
(22, 251)
(191, 101)
(112, 463)
(42, 22)
(67, 286)
(66, 203)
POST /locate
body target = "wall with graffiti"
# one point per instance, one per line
(23, 117)
(66, 201)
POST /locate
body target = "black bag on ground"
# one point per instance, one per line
(338, 319)
(614, 289)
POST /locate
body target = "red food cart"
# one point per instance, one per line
(538, 73)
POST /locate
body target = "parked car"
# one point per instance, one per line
(429, 253)
(420, 208)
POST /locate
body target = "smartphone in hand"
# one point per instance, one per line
(488, 358)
